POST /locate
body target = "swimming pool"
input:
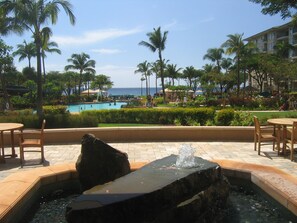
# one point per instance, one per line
(95, 106)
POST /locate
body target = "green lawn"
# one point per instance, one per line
(264, 115)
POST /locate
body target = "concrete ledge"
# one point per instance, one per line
(148, 134)
(18, 191)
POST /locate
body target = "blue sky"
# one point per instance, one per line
(110, 30)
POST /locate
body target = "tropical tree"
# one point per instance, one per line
(50, 47)
(287, 8)
(144, 69)
(235, 45)
(215, 55)
(190, 74)
(157, 41)
(282, 49)
(32, 16)
(26, 50)
(155, 68)
(173, 72)
(102, 82)
(82, 63)
(6, 62)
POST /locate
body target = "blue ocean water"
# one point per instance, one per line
(132, 91)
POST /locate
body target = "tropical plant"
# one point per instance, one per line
(157, 41)
(144, 69)
(215, 55)
(102, 82)
(50, 47)
(32, 16)
(285, 7)
(173, 72)
(191, 75)
(235, 45)
(82, 63)
(26, 50)
(6, 62)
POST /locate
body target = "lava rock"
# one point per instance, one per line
(158, 192)
(100, 163)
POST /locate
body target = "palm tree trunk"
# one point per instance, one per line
(162, 77)
(39, 102)
(43, 66)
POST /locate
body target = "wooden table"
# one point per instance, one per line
(282, 124)
(9, 127)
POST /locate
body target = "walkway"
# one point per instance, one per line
(146, 152)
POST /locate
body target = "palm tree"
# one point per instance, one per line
(190, 74)
(215, 55)
(82, 63)
(157, 41)
(26, 50)
(144, 69)
(235, 45)
(50, 47)
(173, 72)
(32, 15)
(282, 49)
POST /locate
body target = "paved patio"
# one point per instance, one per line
(146, 152)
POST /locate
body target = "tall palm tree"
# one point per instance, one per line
(82, 63)
(32, 16)
(215, 55)
(50, 47)
(26, 50)
(157, 41)
(235, 45)
(144, 69)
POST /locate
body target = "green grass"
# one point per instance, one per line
(264, 115)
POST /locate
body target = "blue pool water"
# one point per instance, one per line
(95, 106)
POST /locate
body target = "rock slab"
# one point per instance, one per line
(158, 192)
(99, 163)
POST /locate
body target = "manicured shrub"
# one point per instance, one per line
(224, 117)
(153, 116)
(57, 109)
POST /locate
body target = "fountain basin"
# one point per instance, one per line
(158, 192)
(19, 190)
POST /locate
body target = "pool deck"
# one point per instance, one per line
(274, 174)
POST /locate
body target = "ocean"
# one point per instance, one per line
(132, 91)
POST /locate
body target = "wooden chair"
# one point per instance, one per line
(34, 140)
(261, 135)
(291, 138)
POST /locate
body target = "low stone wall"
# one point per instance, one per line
(148, 134)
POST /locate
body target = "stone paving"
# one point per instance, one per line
(147, 152)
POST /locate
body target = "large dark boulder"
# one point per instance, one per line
(99, 163)
(157, 193)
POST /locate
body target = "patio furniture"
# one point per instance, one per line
(292, 138)
(261, 135)
(282, 125)
(34, 140)
(8, 127)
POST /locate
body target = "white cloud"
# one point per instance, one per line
(170, 25)
(94, 36)
(106, 51)
(208, 19)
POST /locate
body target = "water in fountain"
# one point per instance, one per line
(186, 158)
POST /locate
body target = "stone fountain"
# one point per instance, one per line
(179, 188)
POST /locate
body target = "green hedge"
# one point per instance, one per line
(153, 116)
